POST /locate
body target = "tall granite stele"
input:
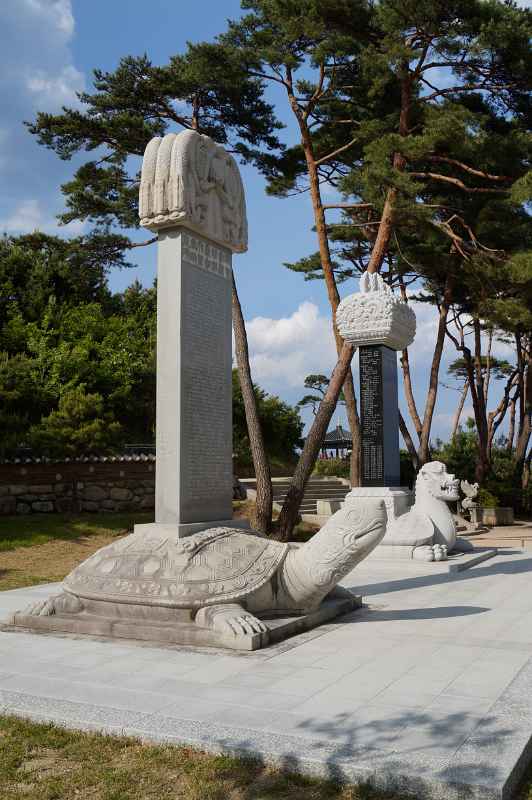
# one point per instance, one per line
(191, 194)
(193, 576)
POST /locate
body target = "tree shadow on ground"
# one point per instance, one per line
(514, 567)
(377, 755)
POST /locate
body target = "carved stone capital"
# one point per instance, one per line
(374, 315)
(190, 181)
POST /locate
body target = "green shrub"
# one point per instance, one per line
(333, 467)
(486, 499)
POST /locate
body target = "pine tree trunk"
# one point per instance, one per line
(526, 481)
(384, 233)
(525, 427)
(410, 446)
(511, 426)
(330, 282)
(483, 463)
(476, 387)
(409, 393)
(487, 376)
(334, 300)
(263, 513)
(290, 511)
(430, 404)
(460, 408)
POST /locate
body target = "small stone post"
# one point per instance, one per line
(191, 194)
(379, 324)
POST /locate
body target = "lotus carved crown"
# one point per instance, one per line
(374, 315)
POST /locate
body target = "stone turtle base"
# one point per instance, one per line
(185, 633)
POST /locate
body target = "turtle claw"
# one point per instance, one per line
(56, 604)
(250, 624)
(230, 620)
(430, 552)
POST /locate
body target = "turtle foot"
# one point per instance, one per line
(430, 552)
(231, 621)
(62, 603)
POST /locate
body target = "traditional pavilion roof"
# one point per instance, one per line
(338, 437)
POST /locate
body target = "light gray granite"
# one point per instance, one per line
(427, 689)
(194, 478)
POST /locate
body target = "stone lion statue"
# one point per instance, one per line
(427, 532)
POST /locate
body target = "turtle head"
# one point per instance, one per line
(313, 570)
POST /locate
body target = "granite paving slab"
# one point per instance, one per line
(426, 689)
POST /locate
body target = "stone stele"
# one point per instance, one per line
(193, 577)
(379, 323)
(420, 527)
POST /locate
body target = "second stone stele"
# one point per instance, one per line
(420, 526)
(193, 577)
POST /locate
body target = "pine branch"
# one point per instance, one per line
(467, 168)
(457, 182)
(348, 205)
(336, 152)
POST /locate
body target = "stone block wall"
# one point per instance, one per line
(114, 485)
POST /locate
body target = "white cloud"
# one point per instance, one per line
(422, 347)
(37, 73)
(284, 351)
(58, 12)
(29, 217)
(55, 91)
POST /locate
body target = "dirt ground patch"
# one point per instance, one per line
(45, 548)
(43, 563)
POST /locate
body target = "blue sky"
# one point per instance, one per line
(48, 51)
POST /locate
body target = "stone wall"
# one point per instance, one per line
(114, 485)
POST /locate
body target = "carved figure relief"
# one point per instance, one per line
(187, 179)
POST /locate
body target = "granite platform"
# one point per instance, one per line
(427, 689)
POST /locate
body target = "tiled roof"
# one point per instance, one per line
(82, 459)
(338, 434)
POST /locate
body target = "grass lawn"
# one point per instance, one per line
(39, 548)
(45, 762)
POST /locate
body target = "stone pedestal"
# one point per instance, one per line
(397, 499)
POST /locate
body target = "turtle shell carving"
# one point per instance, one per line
(214, 566)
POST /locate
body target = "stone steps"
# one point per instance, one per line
(316, 489)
